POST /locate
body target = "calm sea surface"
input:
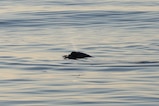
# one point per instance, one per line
(122, 37)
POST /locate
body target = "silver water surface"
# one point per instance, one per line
(122, 37)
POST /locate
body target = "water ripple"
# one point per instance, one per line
(122, 37)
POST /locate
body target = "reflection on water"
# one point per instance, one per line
(122, 37)
(82, 88)
(109, 5)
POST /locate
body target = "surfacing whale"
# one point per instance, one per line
(76, 55)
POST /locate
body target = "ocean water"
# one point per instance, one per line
(122, 37)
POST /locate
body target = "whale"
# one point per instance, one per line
(76, 55)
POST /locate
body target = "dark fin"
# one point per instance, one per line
(76, 55)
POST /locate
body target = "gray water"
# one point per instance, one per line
(122, 37)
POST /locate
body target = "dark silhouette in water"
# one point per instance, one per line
(76, 55)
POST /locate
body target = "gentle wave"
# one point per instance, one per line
(121, 19)
(122, 37)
